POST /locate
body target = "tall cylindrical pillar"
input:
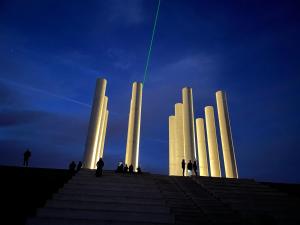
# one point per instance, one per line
(188, 125)
(104, 134)
(172, 162)
(128, 155)
(202, 152)
(179, 141)
(94, 124)
(226, 136)
(214, 161)
(133, 136)
(96, 154)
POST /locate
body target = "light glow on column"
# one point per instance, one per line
(94, 124)
(202, 152)
(226, 136)
(214, 161)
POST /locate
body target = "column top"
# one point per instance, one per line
(220, 92)
(137, 83)
(101, 79)
(187, 88)
(178, 104)
(209, 107)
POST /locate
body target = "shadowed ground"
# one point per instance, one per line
(22, 190)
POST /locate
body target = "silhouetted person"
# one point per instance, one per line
(195, 167)
(79, 165)
(131, 169)
(190, 168)
(120, 168)
(125, 169)
(183, 166)
(139, 170)
(72, 168)
(27, 155)
(99, 170)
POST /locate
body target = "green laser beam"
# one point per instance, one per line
(151, 43)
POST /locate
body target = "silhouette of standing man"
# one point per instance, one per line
(183, 166)
(125, 170)
(195, 167)
(27, 155)
(131, 169)
(72, 167)
(190, 168)
(79, 165)
(99, 170)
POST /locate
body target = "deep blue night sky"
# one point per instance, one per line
(52, 51)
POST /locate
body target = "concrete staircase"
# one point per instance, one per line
(147, 199)
(111, 199)
(254, 202)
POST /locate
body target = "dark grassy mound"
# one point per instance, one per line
(23, 190)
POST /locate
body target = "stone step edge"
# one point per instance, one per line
(168, 211)
(96, 221)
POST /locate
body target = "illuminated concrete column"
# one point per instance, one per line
(134, 124)
(202, 152)
(96, 154)
(214, 161)
(172, 162)
(104, 134)
(188, 125)
(128, 155)
(226, 136)
(94, 124)
(179, 139)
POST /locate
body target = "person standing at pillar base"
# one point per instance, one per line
(195, 168)
(99, 170)
(183, 166)
(190, 168)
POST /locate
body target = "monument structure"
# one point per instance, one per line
(202, 152)
(226, 136)
(179, 138)
(182, 134)
(188, 125)
(172, 165)
(182, 144)
(214, 161)
(134, 125)
(97, 126)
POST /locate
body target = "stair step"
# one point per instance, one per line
(125, 182)
(105, 215)
(111, 199)
(107, 193)
(89, 188)
(111, 193)
(98, 182)
(63, 221)
(89, 205)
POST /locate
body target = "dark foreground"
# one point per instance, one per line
(23, 190)
(117, 199)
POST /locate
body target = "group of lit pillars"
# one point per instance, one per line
(182, 138)
(97, 126)
(182, 133)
